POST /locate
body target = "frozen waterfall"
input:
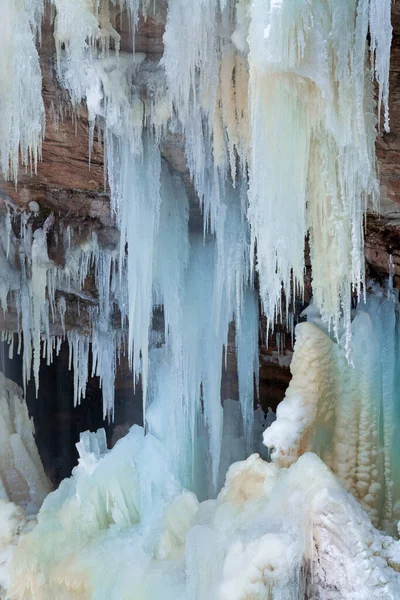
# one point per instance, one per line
(275, 106)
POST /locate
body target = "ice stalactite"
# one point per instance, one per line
(235, 76)
(247, 363)
(21, 104)
(277, 199)
(141, 199)
(187, 389)
(304, 94)
(381, 34)
(310, 89)
(191, 64)
(36, 287)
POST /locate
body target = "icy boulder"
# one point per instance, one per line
(22, 477)
(23, 481)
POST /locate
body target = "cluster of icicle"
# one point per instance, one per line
(301, 526)
(37, 287)
(281, 92)
(202, 287)
(275, 101)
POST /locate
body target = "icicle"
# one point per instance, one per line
(140, 198)
(280, 122)
(191, 64)
(186, 375)
(381, 39)
(79, 362)
(247, 361)
(21, 105)
(104, 359)
(38, 290)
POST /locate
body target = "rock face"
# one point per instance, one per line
(383, 230)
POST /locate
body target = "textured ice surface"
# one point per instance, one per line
(22, 477)
(23, 482)
(348, 414)
(122, 525)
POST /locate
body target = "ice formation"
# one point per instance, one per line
(269, 534)
(22, 477)
(347, 414)
(246, 85)
(21, 104)
(23, 482)
(275, 102)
